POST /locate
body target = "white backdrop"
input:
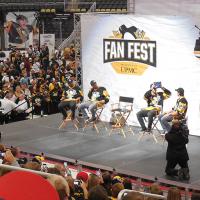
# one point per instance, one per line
(176, 64)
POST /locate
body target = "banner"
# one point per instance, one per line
(126, 53)
(21, 30)
(49, 40)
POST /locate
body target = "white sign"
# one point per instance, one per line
(126, 53)
(49, 40)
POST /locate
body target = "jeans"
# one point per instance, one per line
(91, 106)
(146, 113)
(64, 106)
(164, 121)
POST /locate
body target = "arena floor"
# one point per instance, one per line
(126, 155)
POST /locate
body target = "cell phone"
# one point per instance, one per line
(98, 172)
(44, 167)
(77, 182)
(2, 154)
(65, 164)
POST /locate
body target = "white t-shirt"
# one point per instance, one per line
(7, 105)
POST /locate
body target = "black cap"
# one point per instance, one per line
(93, 82)
(180, 91)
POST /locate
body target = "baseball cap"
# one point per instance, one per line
(92, 82)
(82, 176)
(180, 90)
(21, 185)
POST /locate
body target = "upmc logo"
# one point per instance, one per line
(129, 56)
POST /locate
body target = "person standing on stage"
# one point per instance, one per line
(177, 139)
(179, 111)
(98, 96)
(71, 96)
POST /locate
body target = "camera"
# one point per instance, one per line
(2, 154)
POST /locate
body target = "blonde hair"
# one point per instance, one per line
(59, 183)
(174, 194)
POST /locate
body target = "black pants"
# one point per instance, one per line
(64, 106)
(146, 113)
(171, 164)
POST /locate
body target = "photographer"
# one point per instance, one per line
(177, 153)
(80, 186)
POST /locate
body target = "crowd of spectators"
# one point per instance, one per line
(33, 78)
(92, 186)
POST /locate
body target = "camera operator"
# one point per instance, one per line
(177, 139)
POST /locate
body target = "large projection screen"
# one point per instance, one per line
(126, 53)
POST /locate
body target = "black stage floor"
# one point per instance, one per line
(143, 157)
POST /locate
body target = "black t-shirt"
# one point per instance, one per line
(99, 94)
(73, 93)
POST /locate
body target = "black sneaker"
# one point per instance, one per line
(186, 175)
(143, 130)
(180, 174)
(91, 120)
(148, 130)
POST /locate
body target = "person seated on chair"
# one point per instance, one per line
(147, 95)
(22, 106)
(177, 139)
(179, 111)
(71, 96)
(155, 103)
(98, 96)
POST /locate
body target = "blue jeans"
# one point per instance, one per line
(164, 121)
(146, 113)
(91, 106)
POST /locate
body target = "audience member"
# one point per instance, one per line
(30, 73)
(98, 193)
(174, 194)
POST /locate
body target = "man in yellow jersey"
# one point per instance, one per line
(178, 112)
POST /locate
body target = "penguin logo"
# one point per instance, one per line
(129, 50)
(131, 32)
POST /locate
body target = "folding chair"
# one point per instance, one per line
(122, 111)
(154, 126)
(64, 122)
(97, 120)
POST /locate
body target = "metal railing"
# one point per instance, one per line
(24, 111)
(125, 192)
(13, 168)
(67, 42)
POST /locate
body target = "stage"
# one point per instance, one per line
(145, 157)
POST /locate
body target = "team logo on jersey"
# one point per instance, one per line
(197, 45)
(129, 51)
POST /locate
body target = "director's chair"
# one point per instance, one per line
(97, 120)
(64, 122)
(122, 111)
(154, 127)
